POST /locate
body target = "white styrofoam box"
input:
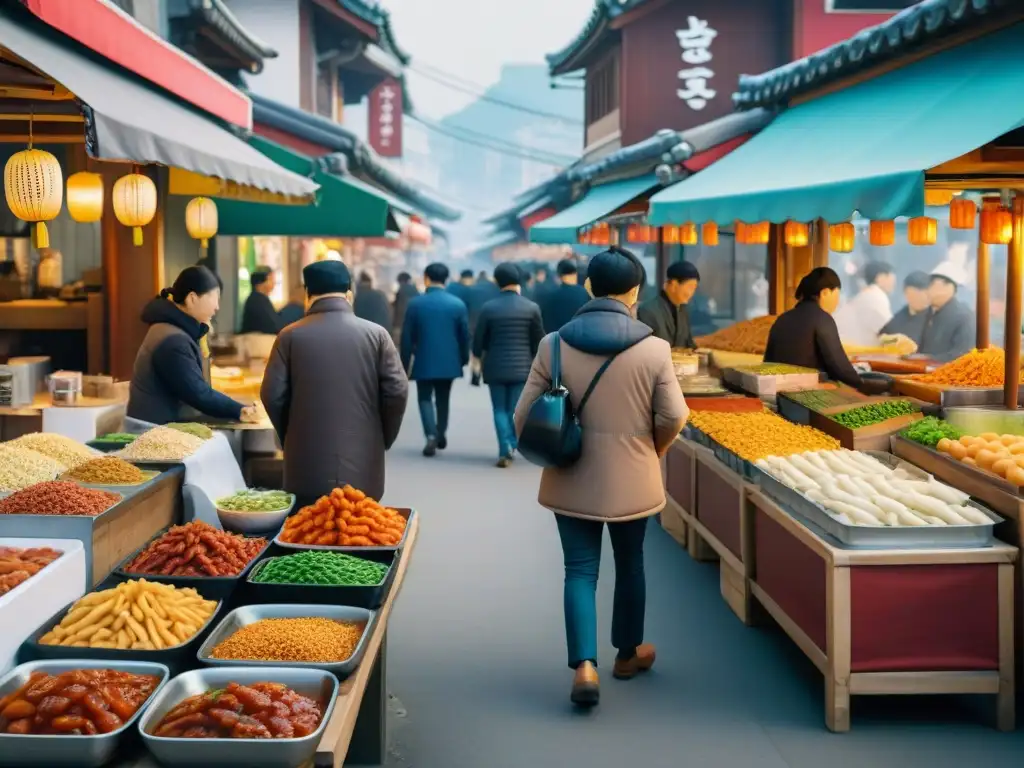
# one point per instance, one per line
(27, 606)
(83, 423)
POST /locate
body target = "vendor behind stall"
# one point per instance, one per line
(807, 335)
(666, 314)
(259, 315)
(910, 320)
(950, 327)
(168, 382)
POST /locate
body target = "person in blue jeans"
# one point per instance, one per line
(634, 413)
(508, 333)
(435, 349)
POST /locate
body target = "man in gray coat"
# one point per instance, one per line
(335, 391)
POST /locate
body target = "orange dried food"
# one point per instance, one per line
(978, 368)
(345, 517)
(750, 336)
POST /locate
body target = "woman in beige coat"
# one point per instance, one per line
(634, 413)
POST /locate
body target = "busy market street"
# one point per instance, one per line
(486, 689)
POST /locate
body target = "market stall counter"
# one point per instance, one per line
(888, 621)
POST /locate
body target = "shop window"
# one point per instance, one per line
(867, 6)
(733, 283)
(602, 88)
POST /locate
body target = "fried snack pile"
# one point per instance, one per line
(750, 336)
(18, 565)
(255, 711)
(310, 640)
(978, 368)
(58, 497)
(196, 549)
(347, 518)
(107, 470)
(754, 436)
(82, 702)
(135, 615)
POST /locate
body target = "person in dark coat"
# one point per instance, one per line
(542, 285)
(508, 333)
(371, 304)
(435, 348)
(295, 309)
(910, 320)
(560, 303)
(168, 383)
(462, 288)
(482, 291)
(335, 391)
(259, 315)
(950, 328)
(407, 291)
(666, 314)
(807, 335)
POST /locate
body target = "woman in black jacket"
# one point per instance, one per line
(807, 335)
(168, 383)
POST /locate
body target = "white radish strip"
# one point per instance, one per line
(845, 483)
(803, 481)
(903, 515)
(802, 464)
(816, 460)
(815, 495)
(836, 494)
(857, 515)
(837, 465)
(972, 514)
(865, 462)
(947, 493)
(932, 507)
(933, 520)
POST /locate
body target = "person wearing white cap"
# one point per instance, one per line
(950, 327)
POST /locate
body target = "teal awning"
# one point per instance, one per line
(597, 203)
(345, 207)
(865, 148)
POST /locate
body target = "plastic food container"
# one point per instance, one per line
(224, 753)
(250, 614)
(65, 387)
(254, 522)
(403, 511)
(321, 594)
(76, 751)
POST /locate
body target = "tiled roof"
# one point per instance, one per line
(219, 18)
(376, 14)
(569, 57)
(920, 24)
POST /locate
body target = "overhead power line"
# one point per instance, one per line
(452, 82)
(498, 144)
(510, 151)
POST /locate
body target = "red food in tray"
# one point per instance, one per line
(82, 702)
(196, 549)
(256, 711)
(18, 565)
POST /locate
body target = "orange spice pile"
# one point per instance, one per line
(978, 368)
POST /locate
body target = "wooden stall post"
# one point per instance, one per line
(984, 275)
(819, 245)
(660, 259)
(776, 270)
(1014, 276)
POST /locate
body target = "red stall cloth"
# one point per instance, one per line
(907, 618)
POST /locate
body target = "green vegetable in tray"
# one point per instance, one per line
(875, 413)
(201, 431)
(255, 501)
(929, 430)
(322, 568)
(120, 438)
(821, 399)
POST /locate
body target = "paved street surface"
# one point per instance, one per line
(477, 652)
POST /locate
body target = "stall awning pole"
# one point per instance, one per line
(984, 274)
(776, 270)
(819, 245)
(1014, 277)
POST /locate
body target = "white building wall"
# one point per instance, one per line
(275, 22)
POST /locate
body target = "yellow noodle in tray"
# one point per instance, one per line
(754, 436)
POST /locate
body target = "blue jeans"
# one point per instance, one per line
(503, 402)
(581, 548)
(435, 424)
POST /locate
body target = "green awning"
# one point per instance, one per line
(864, 148)
(345, 207)
(597, 203)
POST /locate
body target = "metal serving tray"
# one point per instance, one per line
(883, 537)
(250, 614)
(225, 753)
(405, 512)
(73, 751)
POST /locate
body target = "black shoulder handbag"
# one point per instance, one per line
(552, 436)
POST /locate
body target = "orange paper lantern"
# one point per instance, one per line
(996, 223)
(938, 196)
(743, 234)
(962, 213)
(841, 237)
(922, 230)
(760, 232)
(797, 234)
(670, 234)
(882, 232)
(709, 233)
(688, 233)
(633, 233)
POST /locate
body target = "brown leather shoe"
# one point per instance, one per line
(586, 690)
(641, 662)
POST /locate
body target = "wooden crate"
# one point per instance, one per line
(872, 438)
(882, 622)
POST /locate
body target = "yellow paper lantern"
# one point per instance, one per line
(996, 223)
(34, 187)
(201, 219)
(688, 233)
(670, 234)
(922, 230)
(797, 233)
(882, 232)
(962, 213)
(134, 200)
(85, 197)
(709, 233)
(841, 237)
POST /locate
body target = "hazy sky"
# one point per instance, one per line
(473, 38)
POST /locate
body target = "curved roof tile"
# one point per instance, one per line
(567, 59)
(376, 14)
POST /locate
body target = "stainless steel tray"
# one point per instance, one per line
(884, 537)
(251, 753)
(740, 466)
(405, 512)
(74, 751)
(250, 614)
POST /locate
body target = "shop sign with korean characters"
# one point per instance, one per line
(385, 117)
(695, 42)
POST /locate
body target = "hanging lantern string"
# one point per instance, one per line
(31, 117)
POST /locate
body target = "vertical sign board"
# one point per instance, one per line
(385, 114)
(681, 62)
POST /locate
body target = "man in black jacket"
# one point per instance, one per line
(560, 303)
(370, 303)
(259, 315)
(407, 291)
(508, 333)
(666, 313)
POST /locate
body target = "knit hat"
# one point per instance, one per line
(322, 277)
